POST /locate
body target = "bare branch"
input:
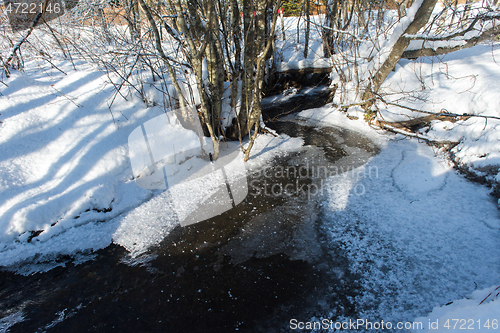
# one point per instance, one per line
(26, 35)
(386, 126)
(428, 52)
(479, 18)
(443, 112)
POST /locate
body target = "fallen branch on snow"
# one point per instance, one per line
(443, 113)
(436, 143)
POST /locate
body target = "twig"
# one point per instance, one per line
(125, 53)
(42, 55)
(69, 99)
(489, 295)
(443, 112)
(335, 30)
(125, 80)
(456, 34)
(6, 68)
(347, 106)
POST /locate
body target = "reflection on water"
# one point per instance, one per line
(252, 268)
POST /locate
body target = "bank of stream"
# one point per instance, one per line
(252, 268)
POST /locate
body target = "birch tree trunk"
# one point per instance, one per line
(308, 28)
(330, 19)
(214, 46)
(215, 64)
(103, 24)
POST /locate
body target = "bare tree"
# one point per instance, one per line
(366, 50)
(212, 42)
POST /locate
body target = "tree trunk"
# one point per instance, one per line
(24, 37)
(330, 18)
(131, 15)
(308, 28)
(215, 64)
(420, 19)
(103, 24)
(235, 22)
(248, 66)
(159, 48)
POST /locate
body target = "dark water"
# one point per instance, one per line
(251, 269)
(295, 100)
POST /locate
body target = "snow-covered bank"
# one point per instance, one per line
(64, 163)
(416, 233)
(463, 82)
(67, 185)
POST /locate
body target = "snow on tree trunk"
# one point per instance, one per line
(417, 17)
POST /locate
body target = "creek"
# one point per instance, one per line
(252, 268)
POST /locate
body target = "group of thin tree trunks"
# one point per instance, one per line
(231, 43)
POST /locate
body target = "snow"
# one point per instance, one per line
(479, 311)
(436, 41)
(387, 44)
(149, 223)
(419, 233)
(145, 225)
(10, 320)
(301, 64)
(290, 52)
(65, 168)
(459, 83)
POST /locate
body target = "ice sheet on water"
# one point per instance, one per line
(419, 173)
(10, 320)
(416, 245)
(146, 225)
